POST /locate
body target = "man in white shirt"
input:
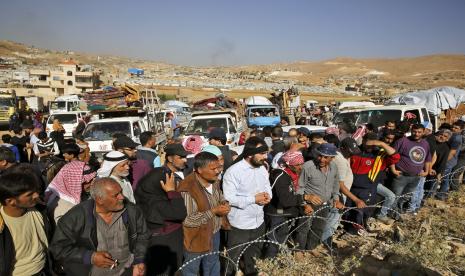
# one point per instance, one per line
(247, 187)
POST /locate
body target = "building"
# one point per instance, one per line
(68, 78)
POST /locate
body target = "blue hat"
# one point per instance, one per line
(212, 149)
(327, 149)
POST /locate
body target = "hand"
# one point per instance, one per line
(170, 183)
(138, 270)
(313, 199)
(260, 198)
(267, 198)
(308, 209)
(102, 259)
(433, 172)
(423, 173)
(338, 205)
(360, 204)
(396, 172)
(221, 210)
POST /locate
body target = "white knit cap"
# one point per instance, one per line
(110, 160)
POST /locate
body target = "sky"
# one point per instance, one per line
(239, 32)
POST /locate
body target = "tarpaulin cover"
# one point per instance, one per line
(435, 100)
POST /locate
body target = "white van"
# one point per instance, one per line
(379, 115)
(69, 120)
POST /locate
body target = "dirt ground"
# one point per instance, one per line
(430, 243)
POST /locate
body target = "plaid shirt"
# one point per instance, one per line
(195, 218)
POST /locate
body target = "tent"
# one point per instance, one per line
(435, 100)
(172, 103)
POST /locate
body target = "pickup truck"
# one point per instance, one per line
(202, 122)
(99, 133)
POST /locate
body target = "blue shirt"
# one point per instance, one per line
(241, 183)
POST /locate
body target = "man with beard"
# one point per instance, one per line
(206, 207)
(164, 211)
(116, 166)
(415, 159)
(286, 203)
(102, 236)
(247, 188)
(367, 168)
(138, 167)
(319, 182)
(24, 226)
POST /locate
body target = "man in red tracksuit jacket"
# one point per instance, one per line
(375, 157)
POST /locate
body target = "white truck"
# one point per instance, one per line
(35, 103)
(67, 103)
(380, 114)
(202, 122)
(98, 133)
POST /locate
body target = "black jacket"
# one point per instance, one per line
(75, 238)
(7, 248)
(159, 208)
(284, 202)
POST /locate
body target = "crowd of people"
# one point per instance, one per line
(138, 213)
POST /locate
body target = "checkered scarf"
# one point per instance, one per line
(67, 184)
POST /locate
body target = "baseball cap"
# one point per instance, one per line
(175, 149)
(124, 142)
(327, 149)
(304, 131)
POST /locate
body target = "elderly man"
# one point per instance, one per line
(319, 182)
(102, 236)
(247, 188)
(138, 167)
(205, 206)
(116, 165)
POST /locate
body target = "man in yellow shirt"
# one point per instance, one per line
(23, 228)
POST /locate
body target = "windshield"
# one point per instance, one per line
(57, 105)
(104, 131)
(63, 118)
(263, 112)
(378, 117)
(6, 102)
(203, 126)
(347, 117)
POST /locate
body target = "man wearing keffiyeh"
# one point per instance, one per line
(66, 188)
(285, 203)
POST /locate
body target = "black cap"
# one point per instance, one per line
(175, 149)
(217, 133)
(124, 142)
(351, 146)
(304, 131)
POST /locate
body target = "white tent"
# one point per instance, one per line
(257, 100)
(435, 100)
(175, 104)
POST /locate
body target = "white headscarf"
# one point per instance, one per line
(110, 161)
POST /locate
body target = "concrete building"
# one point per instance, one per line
(69, 78)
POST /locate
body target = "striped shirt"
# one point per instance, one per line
(195, 218)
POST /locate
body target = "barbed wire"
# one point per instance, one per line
(282, 247)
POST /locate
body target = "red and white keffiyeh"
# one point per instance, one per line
(67, 184)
